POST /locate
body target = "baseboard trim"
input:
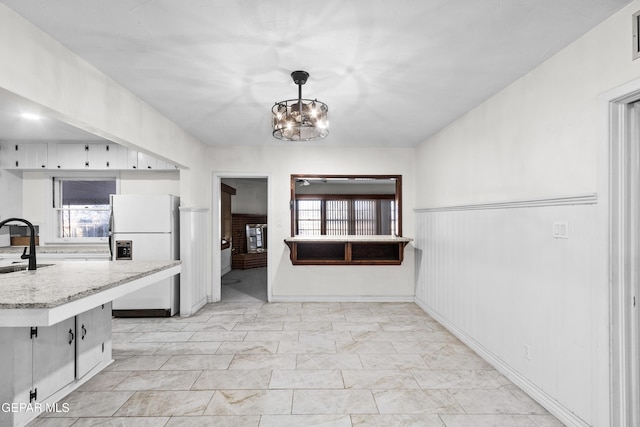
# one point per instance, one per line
(561, 412)
(341, 298)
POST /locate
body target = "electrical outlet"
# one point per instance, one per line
(526, 352)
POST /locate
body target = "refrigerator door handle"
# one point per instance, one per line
(111, 234)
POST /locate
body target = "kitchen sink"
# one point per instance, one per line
(18, 267)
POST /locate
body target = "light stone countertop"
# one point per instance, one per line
(65, 282)
(59, 249)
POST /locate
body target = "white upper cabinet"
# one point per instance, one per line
(23, 155)
(75, 155)
(95, 155)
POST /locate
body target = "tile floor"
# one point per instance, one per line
(296, 364)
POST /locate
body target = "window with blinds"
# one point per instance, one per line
(345, 216)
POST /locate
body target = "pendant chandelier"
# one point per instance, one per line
(300, 119)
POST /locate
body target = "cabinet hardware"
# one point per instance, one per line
(84, 332)
(103, 347)
(16, 147)
(107, 148)
(34, 332)
(33, 395)
(71, 336)
(86, 164)
(86, 148)
(107, 164)
(16, 163)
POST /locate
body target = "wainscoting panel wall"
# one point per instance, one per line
(527, 301)
(195, 275)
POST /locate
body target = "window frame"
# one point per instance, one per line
(396, 197)
(56, 208)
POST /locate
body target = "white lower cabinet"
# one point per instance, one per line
(39, 362)
(94, 331)
(53, 359)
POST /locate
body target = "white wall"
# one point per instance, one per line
(11, 193)
(320, 282)
(498, 278)
(250, 197)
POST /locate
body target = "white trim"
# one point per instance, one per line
(563, 413)
(341, 298)
(578, 199)
(617, 221)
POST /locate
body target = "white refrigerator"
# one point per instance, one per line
(146, 228)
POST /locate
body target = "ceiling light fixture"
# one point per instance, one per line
(31, 116)
(300, 119)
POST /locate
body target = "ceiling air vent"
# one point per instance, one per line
(636, 35)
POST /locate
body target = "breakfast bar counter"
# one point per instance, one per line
(55, 328)
(64, 289)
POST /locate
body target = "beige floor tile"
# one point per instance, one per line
(135, 348)
(307, 347)
(501, 421)
(393, 361)
(328, 361)
(496, 402)
(175, 348)
(416, 402)
(249, 347)
(218, 336)
(158, 380)
(356, 326)
(250, 402)
(306, 379)
(104, 381)
(379, 379)
(307, 326)
(52, 422)
(397, 421)
(333, 402)
(263, 361)
(209, 327)
(459, 379)
(92, 403)
(138, 363)
(376, 336)
(164, 337)
(365, 347)
(305, 420)
(122, 422)
(160, 327)
(249, 379)
(272, 336)
(325, 336)
(197, 362)
(215, 421)
(259, 326)
(165, 403)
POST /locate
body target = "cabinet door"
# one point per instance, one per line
(72, 156)
(53, 358)
(93, 343)
(146, 161)
(102, 156)
(23, 155)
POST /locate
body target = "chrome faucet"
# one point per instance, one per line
(31, 256)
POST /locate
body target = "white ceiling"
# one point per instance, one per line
(392, 72)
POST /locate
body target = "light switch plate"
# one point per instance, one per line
(561, 230)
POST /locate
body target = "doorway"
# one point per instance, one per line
(243, 229)
(624, 167)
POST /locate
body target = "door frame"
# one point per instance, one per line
(623, 225)
(216, 279)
